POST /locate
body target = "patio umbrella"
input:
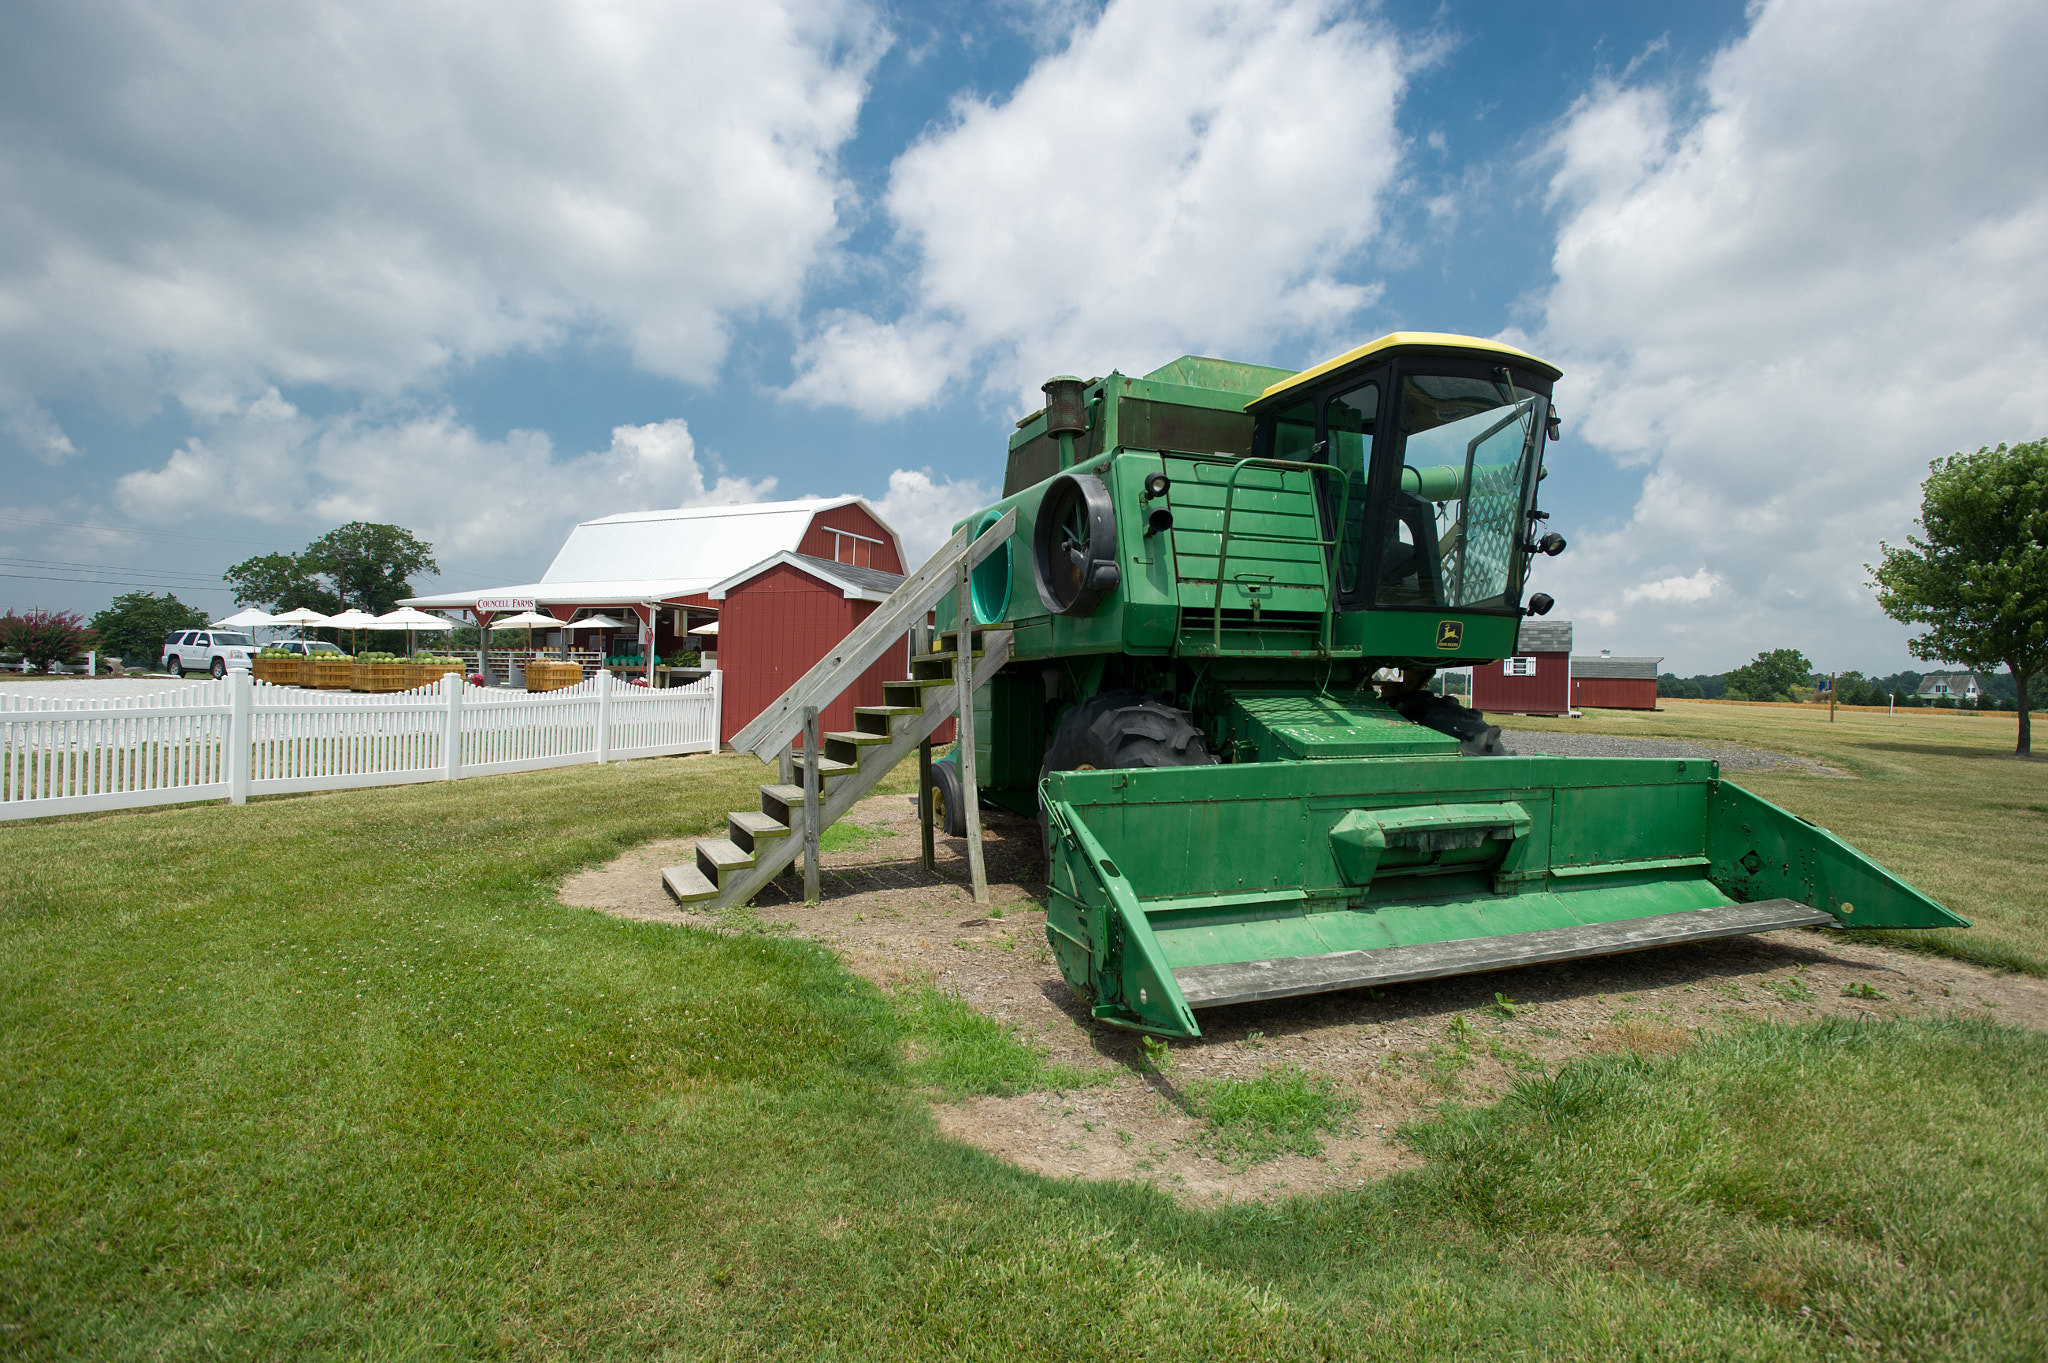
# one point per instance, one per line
(248, 619)
(352, 620)
(301, 616)
(600, 622)
(529, 619)
(408, 619)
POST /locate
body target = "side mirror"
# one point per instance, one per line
(1552, 428)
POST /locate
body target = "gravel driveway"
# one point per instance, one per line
(1731, 756)
(91, 688)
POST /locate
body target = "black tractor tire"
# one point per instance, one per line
(949, 814)
(1120, 729)
(176, 666)
(220, 668)
(1476, 738)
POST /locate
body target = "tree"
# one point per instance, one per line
(134, 625)
(280, 582)
(1770, 676)
(359, 564)
(369, 564)
(45, 637)
(1979, 580)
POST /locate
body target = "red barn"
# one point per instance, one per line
(653, 571)
(781, 615)
(1537, 680)
(1612, 683)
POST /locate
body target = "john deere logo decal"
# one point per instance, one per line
(1450, 633)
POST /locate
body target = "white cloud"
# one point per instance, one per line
(1692, 587)
(1181, 176)
(509, 500)
(38, 432)
(924, 509)
(1785, 307)
(208, 199)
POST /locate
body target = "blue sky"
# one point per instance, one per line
(270, 270)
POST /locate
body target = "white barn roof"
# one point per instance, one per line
(658, 555)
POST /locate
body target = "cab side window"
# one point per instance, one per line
(1348, 420)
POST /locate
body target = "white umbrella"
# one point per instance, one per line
(529, 619)
(248, 619)
(408, 619)
(301, 616)
(352, 620)
(599, 621)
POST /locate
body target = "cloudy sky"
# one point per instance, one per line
(484, 270)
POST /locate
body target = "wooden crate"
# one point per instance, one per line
(428, 674)
(277, 671)
(552, 676)
(376, 677)
(326, 673)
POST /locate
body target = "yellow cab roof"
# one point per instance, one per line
(1394, 340)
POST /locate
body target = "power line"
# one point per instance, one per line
(106, 568)
(113, 581)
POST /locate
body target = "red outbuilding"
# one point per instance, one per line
(1537, 680)
(1611, 683)
(778, 617)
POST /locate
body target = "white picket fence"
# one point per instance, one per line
(233, 738)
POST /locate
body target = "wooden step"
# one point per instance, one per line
(912, 690)
(717, 857)
(686, 884)
(880, 720)
(847, 745)
(744, 828)
(786, 804)
(828, 767)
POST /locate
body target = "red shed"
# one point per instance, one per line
(1612, 683)
(780, 616)
(1537, 680)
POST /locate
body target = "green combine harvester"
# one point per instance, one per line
(1227, 593)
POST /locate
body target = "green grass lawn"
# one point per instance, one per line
(337, 1076)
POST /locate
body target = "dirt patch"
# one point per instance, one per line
(1397, 1051)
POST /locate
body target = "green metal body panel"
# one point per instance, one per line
(1159, 870)
(1277, 724)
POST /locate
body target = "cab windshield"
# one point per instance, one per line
(1452, 532)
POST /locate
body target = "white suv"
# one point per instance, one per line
(207, 650)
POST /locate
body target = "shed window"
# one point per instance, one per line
(1518, 667)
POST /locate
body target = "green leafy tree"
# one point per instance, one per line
(370, 566)
(281, 582)
(45, 637)
(1770, 676)
(1978, 581)
(134, 625)
(358, 565)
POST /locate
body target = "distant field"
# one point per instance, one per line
(1937, 797)
(339, 1076)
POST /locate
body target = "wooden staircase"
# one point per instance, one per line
(828, 777)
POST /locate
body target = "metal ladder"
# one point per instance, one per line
(819, 785)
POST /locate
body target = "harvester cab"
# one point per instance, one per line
(1228, 592)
